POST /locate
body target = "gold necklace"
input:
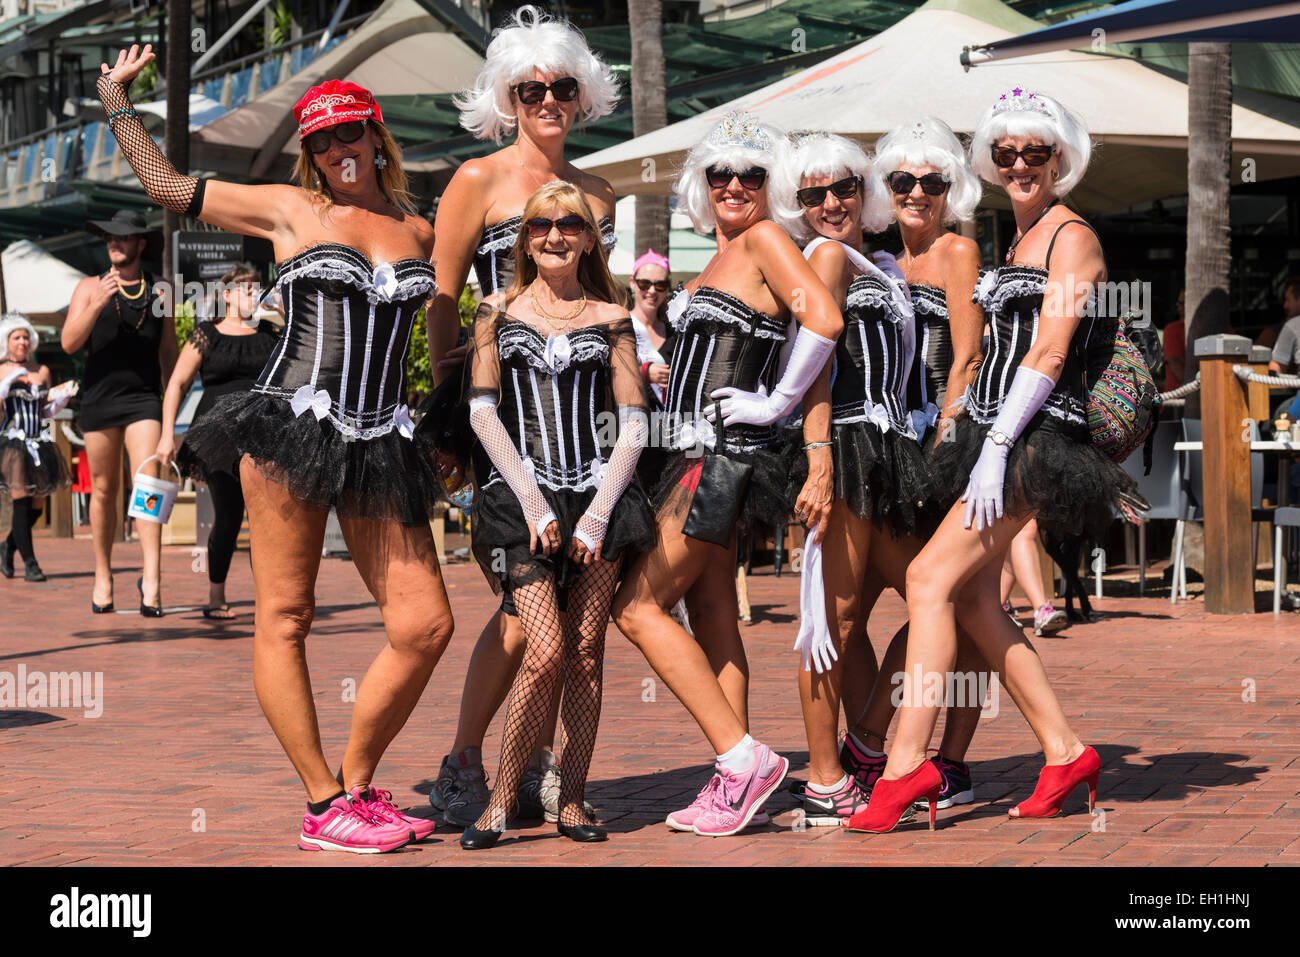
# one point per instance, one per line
(550, 317)
(125, 295)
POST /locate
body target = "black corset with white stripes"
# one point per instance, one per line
(494, 264)
(22, 413)
(1012, 299)
(869, 359)
(720, 342)
(927, 386)
(347, 330)
(553, 400)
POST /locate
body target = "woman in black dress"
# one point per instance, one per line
(553, 364)
(30, 464)
(131, 348)
(325, 427)
(228, 355)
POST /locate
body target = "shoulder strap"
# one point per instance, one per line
(1047, 262)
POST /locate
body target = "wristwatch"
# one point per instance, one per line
(998, 437)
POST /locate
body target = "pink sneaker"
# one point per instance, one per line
(380, 804)
(684, 820)
(350, 827)
(740, 796)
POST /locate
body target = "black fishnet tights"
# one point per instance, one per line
(165, 185)
(560, 646)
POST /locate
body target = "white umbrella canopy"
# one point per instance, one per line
(1136, 115)
(37, 284)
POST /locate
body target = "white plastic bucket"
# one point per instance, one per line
(152, 499)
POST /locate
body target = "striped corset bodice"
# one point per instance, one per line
(927, 385)
(494, 264)
(347, 330)
(20, 417)
(720, 342)
(870, 359)
(1012, 298)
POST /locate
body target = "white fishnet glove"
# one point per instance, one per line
(501, 450)
(633, 433)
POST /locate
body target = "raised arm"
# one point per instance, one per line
(634, 430)
(250, 210)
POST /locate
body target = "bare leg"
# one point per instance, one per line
(492, 667)
(1024, 559)
(399, 565)
(141, 439)
(957, 573)
(845, 545)
(285, 544)
(711, 603)
(104, 455)
(655, 583)
(860, 668)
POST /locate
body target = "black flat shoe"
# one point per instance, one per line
(583, 833)
(33, 573)
(6, 560)
(472, 839)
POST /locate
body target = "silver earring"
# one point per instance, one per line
(380, 161)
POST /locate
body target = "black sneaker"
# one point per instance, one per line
(6, 560)
(957, 787)
(464, 792)
(529, 796)
(33, 573)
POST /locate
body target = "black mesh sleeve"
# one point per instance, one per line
(165, 185)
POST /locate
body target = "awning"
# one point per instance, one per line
(1241, 21)
(36, 283)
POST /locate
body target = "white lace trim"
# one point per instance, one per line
(1055, 411)
(346, 424)
(554, 353)
(876, 414)
(379, 286)
(872, 295)
(576, 479)
(921, 303)
(713, 313)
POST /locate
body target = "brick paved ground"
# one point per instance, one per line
(1193, 774)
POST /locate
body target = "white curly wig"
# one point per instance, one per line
(740, 141)
(1020, 112)
(10, 323)
(929, 141)
(824, 154)
(533, 41)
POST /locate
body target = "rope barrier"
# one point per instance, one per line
(1174, 396)
(1247, 374)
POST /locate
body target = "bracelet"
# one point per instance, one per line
(816, 445)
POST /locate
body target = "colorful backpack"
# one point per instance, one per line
(1121, 391)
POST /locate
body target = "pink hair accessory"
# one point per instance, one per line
(651, 258)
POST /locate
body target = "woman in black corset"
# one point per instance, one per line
(538, 77)
(30, 464)
(228, 355)
(554, 364)
(131, 348)
(724, 398)
(325, 427)
(1022, 440)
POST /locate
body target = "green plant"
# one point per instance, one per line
(281, 23)
(419, 375)
(184, 323)
(147, 81)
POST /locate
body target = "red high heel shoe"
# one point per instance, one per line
(891, 799)
(1056, 781)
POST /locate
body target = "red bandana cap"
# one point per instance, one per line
(334, 102)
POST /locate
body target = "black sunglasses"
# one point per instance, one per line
(720, 177)
(540, 226)
(1005, 157)
(533, 92)
(660, 285)
(813, 196)
(932, 184)
(319, 141)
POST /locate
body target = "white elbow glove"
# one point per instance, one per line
(58, 399)
(983, 495)
(7, 382)
(807, 360)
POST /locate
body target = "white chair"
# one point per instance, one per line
(1282, 518)
(1160, 488)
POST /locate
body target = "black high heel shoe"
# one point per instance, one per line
(147, 611)
(472, 839)
(583, 833)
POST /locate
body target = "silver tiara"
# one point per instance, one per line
(739, 128)
(1020, 101)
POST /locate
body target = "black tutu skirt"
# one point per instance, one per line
(390, 477)
(1053, 470)
(881, 476)
(765, 503)
(501, 536)
(20, 472)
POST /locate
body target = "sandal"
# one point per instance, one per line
(214, 612)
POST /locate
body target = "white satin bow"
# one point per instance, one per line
(558, 352)
(305, 398)
(385, 281)
(402, 420)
